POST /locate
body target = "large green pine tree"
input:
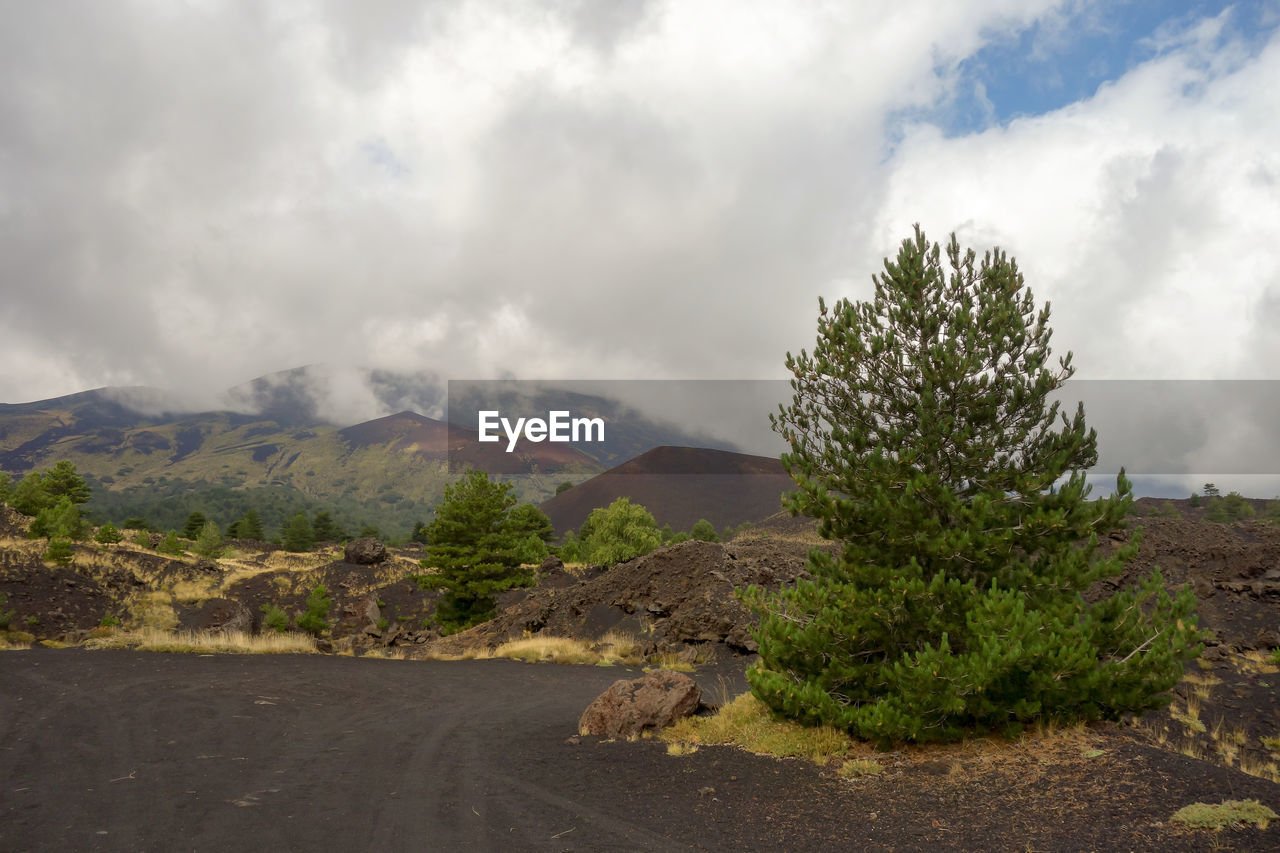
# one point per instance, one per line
(476, 550)
(923, 439)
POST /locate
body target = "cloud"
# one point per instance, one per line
(192, 197)
(1145, 214)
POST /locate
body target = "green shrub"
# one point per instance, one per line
(59, 552)
(171, 545)
(108, 621)
(314, 621)
(108, 534)
(275, 618)
(6, 616)
(142, 539)
(618, 532)
(704, 531)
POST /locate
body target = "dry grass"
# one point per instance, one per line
(614, 648)
(747, 723)
(1255, 662)
(230, 642)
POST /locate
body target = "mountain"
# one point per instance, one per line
(309, 438)
(680, 485)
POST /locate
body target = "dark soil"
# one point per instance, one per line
(137, 751)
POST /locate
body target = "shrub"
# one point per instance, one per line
(618, 532)
(6, 616)
(60, 520)
(315, 619)
(704, 531)
(1227, 813)
(171, 545)
(59, 552)
(142, 539)
(108, 534)
(275, 618)
(922, 438)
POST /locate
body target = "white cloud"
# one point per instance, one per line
(191, 197)
(1147, 214)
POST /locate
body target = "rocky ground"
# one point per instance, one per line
(1224, 717)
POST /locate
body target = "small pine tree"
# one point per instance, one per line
(475, 549)
(704, 531)
(1195, 499)
(171, 545)
(142, 539)
(325, 529)
(1211, 491)
(29, 496)
(250, 526)
(60, 520)
(370, 531)
(297, 535)
(209, 542)
(62, 481)
(194, 524)
(419, 533)
(275, 618)
(107, 534)
(1237, 507)
(59, 552)
(922, 438)
(315, 619)
(1216, 511)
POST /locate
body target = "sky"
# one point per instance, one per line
(194, 194)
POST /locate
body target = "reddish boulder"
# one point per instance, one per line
(629, 707)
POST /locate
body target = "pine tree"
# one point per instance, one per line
(62, 481)
(171, 545)
(325, 529)
(297, 534)
(250, 527)
(29, 496)
(194, 524)
(922, 439)
(209, 542)
(475, 549)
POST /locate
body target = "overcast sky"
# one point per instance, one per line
(194, 194)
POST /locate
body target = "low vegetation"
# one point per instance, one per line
(1225, 814)
(209, 642)
(748, 723)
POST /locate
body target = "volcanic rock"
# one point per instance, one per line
(630, 707)
(365, 551)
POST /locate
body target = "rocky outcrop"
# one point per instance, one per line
(630, 707)
(365, 551)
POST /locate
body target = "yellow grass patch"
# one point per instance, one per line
(214, 642)
(747, 723)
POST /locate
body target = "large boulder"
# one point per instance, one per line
(630, 707)
(365, 551)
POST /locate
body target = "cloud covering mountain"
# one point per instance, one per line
(192, 196)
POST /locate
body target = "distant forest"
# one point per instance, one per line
(167, 503)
